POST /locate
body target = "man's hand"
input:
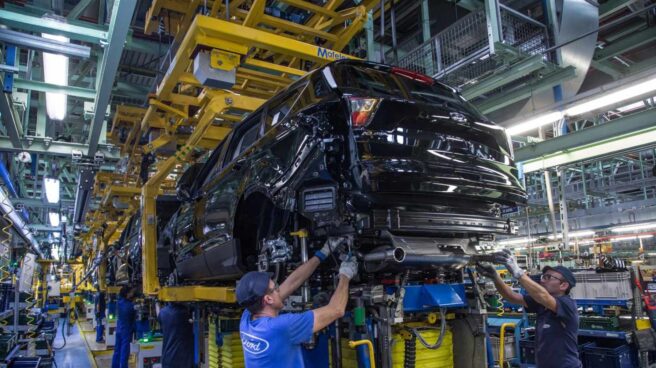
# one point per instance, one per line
(349, 267)
(511, 264)
(329, 247)
(486, 270)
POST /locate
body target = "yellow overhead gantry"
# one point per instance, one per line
(266, 53)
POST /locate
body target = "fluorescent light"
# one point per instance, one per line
(535, 123)
(575, 234)
(624, 238)
(515, 241)
(635, 227)
(55, 71)
(645, 236)
(633, 106)
(613, 97)
(54, 218)
(51, 186)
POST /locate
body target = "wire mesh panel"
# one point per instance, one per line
(460, 54)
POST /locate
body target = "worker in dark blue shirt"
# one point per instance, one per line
(557, 321)
(125, 326)
(178, 346)
(273, 340)
(100, 307)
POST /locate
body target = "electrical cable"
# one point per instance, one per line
(63, 336)
(438, 343)
(410, 352)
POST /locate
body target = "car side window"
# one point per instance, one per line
(247, 133)
(215, 162)
(281, 107)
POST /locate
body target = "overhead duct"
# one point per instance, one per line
(19, 225)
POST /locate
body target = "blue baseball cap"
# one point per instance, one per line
(252, 287)
(566, 272)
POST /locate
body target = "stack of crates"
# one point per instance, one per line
(230, 354)
(441, 357)
(424, 357)
(508, 347)
(613, 354)
(527, 351)
(591, 285)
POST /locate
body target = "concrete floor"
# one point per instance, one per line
(74, 354)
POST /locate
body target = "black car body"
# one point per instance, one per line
(387, 157)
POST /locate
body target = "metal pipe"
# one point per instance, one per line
(395, 52)
(305, 289)
(382, 31)
(43, 44)
(416, 256)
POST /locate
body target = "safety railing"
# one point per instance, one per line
(461, 52)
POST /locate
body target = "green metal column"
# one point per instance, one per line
(493, 18)
(41, 116)
(425, 21)
(369, 28)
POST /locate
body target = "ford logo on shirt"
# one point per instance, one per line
(253, 344)
(458, 117)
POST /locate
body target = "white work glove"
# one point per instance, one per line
(487, 270)
(511, 263)
(349, 267)
(329, 247)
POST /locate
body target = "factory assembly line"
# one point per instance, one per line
(327, 183)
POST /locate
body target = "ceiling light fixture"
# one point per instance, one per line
(535, 123)
(51, 186)
(55, 71)
(620, 95)
(634, 227)
(53, 217)
(611, 98)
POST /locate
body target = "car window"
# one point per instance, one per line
(244, 137)
(214, 161)
(281, 107)
(247, 140)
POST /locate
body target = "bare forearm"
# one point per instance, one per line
(298, 277)
(340, 296)
(536, 291)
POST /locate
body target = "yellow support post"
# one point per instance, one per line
(502, 342)
(372, 357)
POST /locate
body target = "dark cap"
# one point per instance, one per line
(252, 286)
(567, 274)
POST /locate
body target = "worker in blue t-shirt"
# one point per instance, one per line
(273, 340)
(557, 323)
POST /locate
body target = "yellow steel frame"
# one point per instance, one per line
(218, 103)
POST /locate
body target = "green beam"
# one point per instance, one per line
(611, 6)
(471, 5)
(83, 93)
(122, 89)
(620, 135)
(624, 31)
(505, 76)
(40, 203)
(609, 68)
(78, 9)
(42, 25)
(626, 44)
(548, 81)
(57, 148)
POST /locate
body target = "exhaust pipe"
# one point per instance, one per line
(416, 256)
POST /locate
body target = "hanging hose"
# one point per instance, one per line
(7, 241)
(410, 353)
(500, 309)
(438, 343)
(63, 337)
(30, 319)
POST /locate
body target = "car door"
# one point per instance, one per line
(190, 258)
(215, 212)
